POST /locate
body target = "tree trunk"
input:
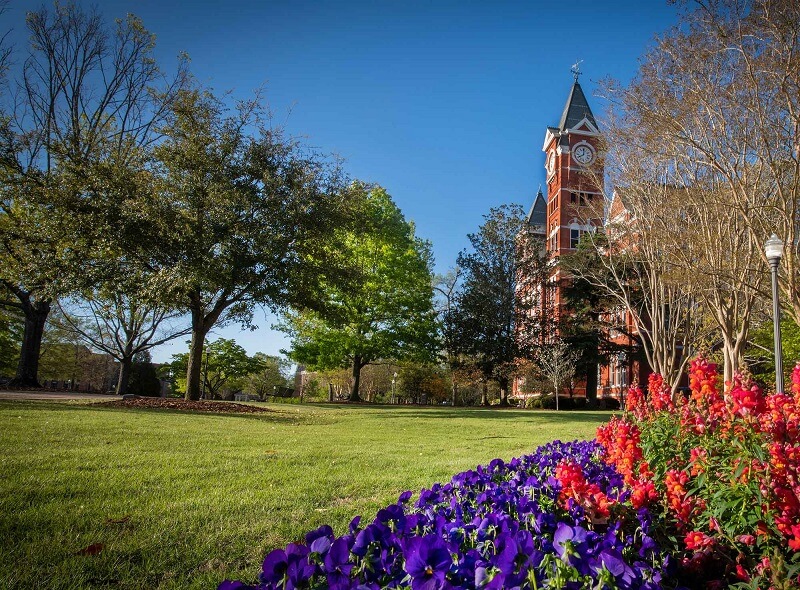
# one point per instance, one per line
(591, 386)
(201, 324)
(193, 371)
(36, 313)
(558, 391)
(503, 383)
(455, 393)
(124, 375)
(357, 364)
(485, 394)
(330, 392)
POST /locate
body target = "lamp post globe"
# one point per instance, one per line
(773, 249)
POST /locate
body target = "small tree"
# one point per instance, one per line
(422, 383)
(635, 269)
(587, 317)
(225, 366)
(121, 323)
(272, 374)
(557, 363)
(144, 378)
(445, 287)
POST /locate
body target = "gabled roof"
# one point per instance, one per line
(618, 206)
(537, 216)
(576, 109)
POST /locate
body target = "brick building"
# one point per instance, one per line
(574, 203)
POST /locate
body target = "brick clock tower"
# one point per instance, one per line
(574, 201)
(574, 204)
(574, 178)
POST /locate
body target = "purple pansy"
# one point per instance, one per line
(427, 562)
(299, 570)
(611, 561)
(337, 565)
(323, 531)
(274, 568)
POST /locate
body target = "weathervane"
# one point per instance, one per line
(576, 69)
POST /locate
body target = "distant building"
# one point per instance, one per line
(75, 367)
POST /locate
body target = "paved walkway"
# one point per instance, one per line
(55, 395)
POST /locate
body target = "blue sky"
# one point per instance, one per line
(444, 103)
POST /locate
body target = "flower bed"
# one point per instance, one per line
(725, 464)
(557, 518)
(696, 492)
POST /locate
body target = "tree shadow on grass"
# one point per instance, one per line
(543, 416)
(328, 413)
(416, 411)
(270, 416)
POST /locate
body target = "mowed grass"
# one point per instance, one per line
(94, 497)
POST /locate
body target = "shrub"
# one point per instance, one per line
(542, 402)
(608, 403)
(548, 402)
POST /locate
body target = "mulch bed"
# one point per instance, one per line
(181, 404)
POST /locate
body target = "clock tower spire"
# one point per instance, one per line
(574, 173)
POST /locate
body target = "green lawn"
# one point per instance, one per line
(184, 500)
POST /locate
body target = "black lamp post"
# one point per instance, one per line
(774, 251)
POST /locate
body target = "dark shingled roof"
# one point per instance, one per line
(537, 216)
(576, 109)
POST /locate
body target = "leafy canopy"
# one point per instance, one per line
(386, 312)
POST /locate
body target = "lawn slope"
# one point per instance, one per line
(120, 498)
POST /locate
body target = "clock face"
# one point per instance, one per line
(551, 162)
(583, 154)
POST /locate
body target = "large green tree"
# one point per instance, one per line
(245, 217)
(498, 306)
(388, 314)
(85, 92)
